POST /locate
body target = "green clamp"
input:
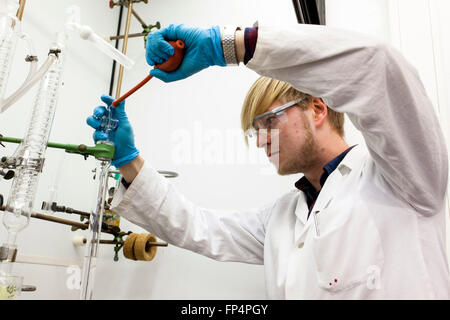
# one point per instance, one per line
(149, 28)
(119, 239)
(117, 248)
(101, 151)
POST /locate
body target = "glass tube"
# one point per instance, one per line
(95, 228)
(53, 189)
(108, 124)
(33, 77)
(86, 33)
(8, 41)
(9, 34)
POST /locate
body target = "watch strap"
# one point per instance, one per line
(228, 45)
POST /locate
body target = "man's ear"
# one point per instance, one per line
(320, 111)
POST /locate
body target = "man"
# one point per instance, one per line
(359, 225)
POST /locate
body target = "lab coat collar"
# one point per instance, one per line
(351, 161)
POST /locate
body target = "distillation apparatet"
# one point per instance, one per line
(28, 159)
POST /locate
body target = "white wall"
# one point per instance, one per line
(207, 106)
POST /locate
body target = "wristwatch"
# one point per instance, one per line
(229, 49)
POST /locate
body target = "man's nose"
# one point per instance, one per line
(262, 138)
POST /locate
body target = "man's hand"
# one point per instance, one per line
(203, 49)
(122, 136)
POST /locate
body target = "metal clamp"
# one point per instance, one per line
(16, 162)
(55, 51)
(124, 3)
(31, 58)
(7, 174)
(8, 254)
(4, 253)
(33, 163)
(28, 288)
(9, 162)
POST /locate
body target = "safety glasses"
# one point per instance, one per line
(270, 120)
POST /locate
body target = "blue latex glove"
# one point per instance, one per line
(122, 136)
(203, 48)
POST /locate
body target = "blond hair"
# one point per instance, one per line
(266, 91)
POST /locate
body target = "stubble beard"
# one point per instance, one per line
(305, 158)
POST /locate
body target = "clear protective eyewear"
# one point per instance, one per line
(271, 119)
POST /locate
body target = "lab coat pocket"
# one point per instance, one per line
(349, 255)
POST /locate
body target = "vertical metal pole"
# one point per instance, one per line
(113, 71)
(19, 13)
(124, 47)
(21, 8)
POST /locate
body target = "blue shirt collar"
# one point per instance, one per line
(304, 185)
(308, 189)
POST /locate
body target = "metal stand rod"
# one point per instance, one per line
(61, 221)
(139, 18)
(113, 71)
(124, 47)
(54, 207)
(84, 227)
(131, 35)
(21, 8)
(19, 13)
(151, 244)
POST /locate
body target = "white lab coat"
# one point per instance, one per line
(377, 229)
